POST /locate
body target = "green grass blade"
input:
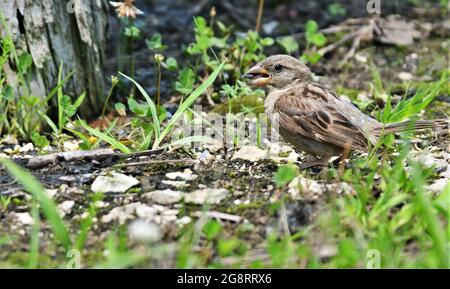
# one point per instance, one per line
(412, 106)
(33, 255)
(109, 139)
(79, 100)
(436, 232)
(32, 185)
(59, 97)
(151, 104)
(87, 223)
(188, 102)
(50, 123)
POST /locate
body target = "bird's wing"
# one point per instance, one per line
(312, 111)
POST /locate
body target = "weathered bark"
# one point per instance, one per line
(67, 32)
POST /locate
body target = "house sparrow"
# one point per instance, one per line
(315, 119)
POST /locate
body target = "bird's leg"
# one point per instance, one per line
(320, 162)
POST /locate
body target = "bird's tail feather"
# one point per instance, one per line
(411, 125)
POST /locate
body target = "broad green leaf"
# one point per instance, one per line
(288, 43)
(284, 175)
(311, 27)
(185, 83)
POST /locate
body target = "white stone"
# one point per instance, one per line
(51, 192)
(206, 196)
(113, 183)
(129, 211)
(28, 147)
(70, 146)
(187, 175)
(405, 76)
(144, 231)
(301, 186)
(360, 58)
(428, 159)
(101, 204)
(172, 212)
(184, 220)
(159, 208)
(24, 218)
(438, 186)
(250, 153)
(446, 173)
(175, 184)
(66, 207)
(165, 197)
(144, 211)
(167, 219)
(10, 139)
(214, 147)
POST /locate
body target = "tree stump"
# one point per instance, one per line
(70, 33)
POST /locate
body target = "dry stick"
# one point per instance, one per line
(140, 154)
(340, 42)
(99, 154)
(42, 161)
(260, 12)
(152, 162)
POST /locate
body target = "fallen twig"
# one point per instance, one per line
(218, 215)
(153, 162)
(98, 155)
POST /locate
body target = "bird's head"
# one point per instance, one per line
(277, 71)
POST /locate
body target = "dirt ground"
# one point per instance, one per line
(248, 203)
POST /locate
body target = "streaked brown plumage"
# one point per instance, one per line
(313, 118)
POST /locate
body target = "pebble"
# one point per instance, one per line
(303, 188)
(175, 184)
(24, 218)
(438, 186)
(113, 183)
(51, 193)
(144, 231)
(70, 146)
(65, 207)
(250, 153)
(184, 220)
(429, 160)
(164, 197)
(187, 175)
(206, 196)
(405, 76)
(129, 211)
(26, 148)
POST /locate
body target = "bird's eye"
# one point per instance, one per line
(278, 68)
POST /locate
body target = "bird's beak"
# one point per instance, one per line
(257, 76)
